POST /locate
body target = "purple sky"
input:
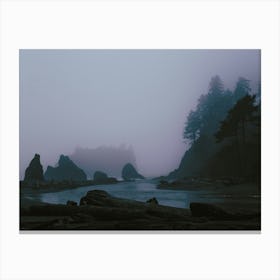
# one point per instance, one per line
(92, 98)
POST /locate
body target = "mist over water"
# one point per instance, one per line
(94, 98)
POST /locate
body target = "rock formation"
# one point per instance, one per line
(108, 159)
(100, 177)
(130, 173)
(152, 200)
(98, 210)
(66, 170)
(71, 203)
(34, 172)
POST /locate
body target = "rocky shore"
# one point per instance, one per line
(237, 195)
(98, 210)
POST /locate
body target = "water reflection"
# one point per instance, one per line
(139, 190)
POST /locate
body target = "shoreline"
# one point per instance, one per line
(58, 188)
(98, 210)
(244, 196)
(238, 194)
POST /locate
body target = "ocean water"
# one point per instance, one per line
(141, 190)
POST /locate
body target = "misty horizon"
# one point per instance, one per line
(134, 99)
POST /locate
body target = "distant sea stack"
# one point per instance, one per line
(130, 173)
(108, 159)
(34, 172)
(100, 177)
(66, 170)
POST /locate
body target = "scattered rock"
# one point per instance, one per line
(105, 212)
(103, 200)
(95, 197)
(71, 203)
(83, 201)
(130, 173)
(152, 201)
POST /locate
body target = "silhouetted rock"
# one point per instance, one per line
(152, 201)
(71, 203)
(66, 170)
(99, 210)
(100, 176)
(111, 180)
(130, 173)
(208, 210)
(126, 207)
(34, 172)
(95, 197)
(108, 159)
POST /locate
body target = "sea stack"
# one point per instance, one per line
(130, 173)
(65, 170)
(34, 172)
(100, 176)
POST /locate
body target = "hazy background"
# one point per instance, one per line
(92, 98)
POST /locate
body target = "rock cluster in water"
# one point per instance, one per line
(34, 172)
(108, 159)
(66, 170)
(130, 173)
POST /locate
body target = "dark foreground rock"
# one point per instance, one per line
(71, 203)
(98, 210)
(152, 201)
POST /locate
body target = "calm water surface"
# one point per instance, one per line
(138, 190)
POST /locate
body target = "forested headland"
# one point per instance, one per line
(223, 134)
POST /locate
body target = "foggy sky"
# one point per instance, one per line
(92, 98)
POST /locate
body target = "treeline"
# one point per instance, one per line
(223, 133)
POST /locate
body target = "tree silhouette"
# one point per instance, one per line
(192, 128)
(242, 88)
(216, 86)
(237, 118)
(210, 110)
(224, 132)
(235, 125)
